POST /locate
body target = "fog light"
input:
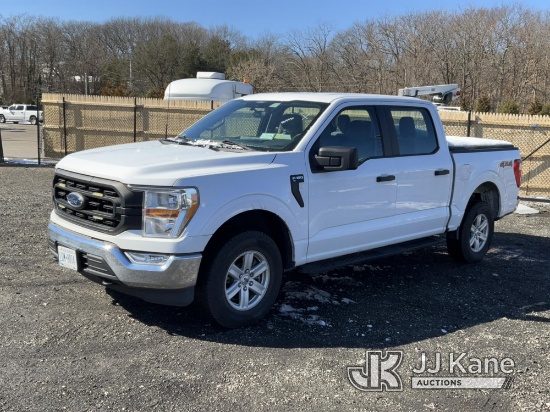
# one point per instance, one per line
(147, 258)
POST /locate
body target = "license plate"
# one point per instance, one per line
(67, 257)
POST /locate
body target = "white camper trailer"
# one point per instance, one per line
(207, 86)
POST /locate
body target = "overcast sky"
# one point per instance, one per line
(252, 18)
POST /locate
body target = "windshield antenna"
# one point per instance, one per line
(168, 111)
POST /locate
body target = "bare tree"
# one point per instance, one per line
(500, 53)
(310, 60)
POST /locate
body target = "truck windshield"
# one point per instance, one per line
(257, 125)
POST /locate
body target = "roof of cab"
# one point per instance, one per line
(330, 97)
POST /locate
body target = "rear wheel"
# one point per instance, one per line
(474, 235)
(32, 119)
(2, 118)
(242, 280)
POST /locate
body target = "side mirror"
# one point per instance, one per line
(332, 158)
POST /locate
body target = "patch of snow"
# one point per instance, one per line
(525, 210)
(346, 280)
(287, 309)
(295, 314)
(29, 162)
(310, 293)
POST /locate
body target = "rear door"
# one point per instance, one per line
(423, 170)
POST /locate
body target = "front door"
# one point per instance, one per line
(352, 210)
(16, 113)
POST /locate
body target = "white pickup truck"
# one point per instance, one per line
(21, 113)
(272, 182)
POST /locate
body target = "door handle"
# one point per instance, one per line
(442, 172)
(388, 178)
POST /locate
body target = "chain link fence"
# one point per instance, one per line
(76, 122)
(531, 134)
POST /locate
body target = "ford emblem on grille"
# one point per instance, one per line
(76, 200)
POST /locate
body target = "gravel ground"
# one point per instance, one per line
(68, 344)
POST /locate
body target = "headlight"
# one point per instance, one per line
(167, 213)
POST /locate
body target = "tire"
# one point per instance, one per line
(2, 118)
(229, 290)
(475, 234)
(32, 119)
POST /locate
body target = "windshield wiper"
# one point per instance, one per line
(239, 145)
(181, 139)
(213, 145)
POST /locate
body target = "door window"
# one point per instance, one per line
(355, 127)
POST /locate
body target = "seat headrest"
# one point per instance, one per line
(343, 122)
(406, 126)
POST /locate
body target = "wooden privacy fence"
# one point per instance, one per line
(531, 134)
(76, 122)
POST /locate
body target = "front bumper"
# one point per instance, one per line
(106, 263)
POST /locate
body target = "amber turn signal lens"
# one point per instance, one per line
(162, 213)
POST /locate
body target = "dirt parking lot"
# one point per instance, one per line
(67, 344)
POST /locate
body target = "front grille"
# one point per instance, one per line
(103, 205)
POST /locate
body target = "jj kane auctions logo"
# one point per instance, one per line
(380, 372)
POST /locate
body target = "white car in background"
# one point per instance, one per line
(21, 113)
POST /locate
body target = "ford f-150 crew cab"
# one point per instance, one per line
(271, 182)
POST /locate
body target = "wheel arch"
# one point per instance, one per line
(261, 220)
(487, 192)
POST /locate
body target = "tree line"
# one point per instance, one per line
(499, 56)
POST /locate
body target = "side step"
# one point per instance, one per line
(360, 257)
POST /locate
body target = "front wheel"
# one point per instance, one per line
(242, 280)
(474, 235)
(32, 119)
(2, 118)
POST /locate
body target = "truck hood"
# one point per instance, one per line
(154, 163)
